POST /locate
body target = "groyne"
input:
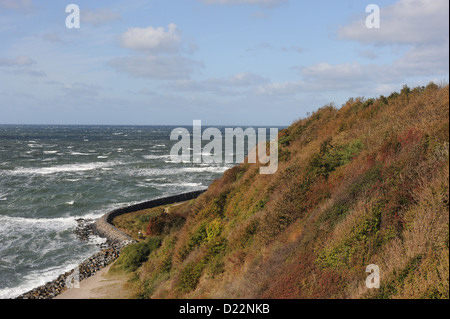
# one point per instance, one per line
(105, 228)
(110, 251)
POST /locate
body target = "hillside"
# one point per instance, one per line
(363, 184)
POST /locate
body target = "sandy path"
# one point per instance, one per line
(102, 285)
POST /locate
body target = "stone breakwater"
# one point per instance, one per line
(87, 268)
(109, 251)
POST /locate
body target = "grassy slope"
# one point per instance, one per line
(365, 184)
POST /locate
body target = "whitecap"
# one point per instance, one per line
(212, 169)
(32, 145)
(79, 154)
(9, 223)
(155, 156)
(68, 168)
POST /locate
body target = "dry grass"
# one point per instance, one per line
(366, 183)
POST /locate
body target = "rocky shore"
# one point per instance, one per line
(110, 251)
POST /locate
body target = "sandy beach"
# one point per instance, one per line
(102, 285)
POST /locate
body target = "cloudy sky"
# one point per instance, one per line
(225, 62)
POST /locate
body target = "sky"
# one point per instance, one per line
(224, 62)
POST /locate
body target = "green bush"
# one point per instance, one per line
(134, 255)
(331, 157)
(190, 276)
(213, 230)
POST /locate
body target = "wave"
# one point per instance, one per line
(33, 145)
(36, 279)
(67, 168)
(155, 156)
(10, 224)
(79, 154)
(54, 224)
(212, 169)
(167, 185)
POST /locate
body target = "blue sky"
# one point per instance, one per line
(225, 62)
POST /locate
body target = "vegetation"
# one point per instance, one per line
(363, 184)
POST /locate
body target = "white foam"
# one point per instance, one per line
(155, 156)
(212, 169)
(34, 280)
(79, 154)
(50, 152)
(102, 156)
(33, 145)
(8, 223)
(68, 168)
(73, 179)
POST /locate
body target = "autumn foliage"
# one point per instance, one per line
(363, 184)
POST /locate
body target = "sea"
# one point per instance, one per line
(50, 176)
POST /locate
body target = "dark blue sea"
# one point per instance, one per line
(52, 175)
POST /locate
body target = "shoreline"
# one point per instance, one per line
(110, 250)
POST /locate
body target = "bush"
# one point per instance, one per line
(134, 255)
(331, 157)
(190, 276)
(162, 224)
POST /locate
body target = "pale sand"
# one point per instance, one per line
(102, 285)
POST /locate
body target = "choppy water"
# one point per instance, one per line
(52, 175)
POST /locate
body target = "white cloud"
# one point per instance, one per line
(430, 59)
(153, 40)
(161, 57)
(99, 17)
(420, 26)
(405, 22)
(427, 62)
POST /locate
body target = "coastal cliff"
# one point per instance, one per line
(362, 185)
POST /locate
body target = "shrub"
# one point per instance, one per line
(134, 255)
(353, 248)
(190, 276)
(331, 157)
(213, 230)
(162, 224)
